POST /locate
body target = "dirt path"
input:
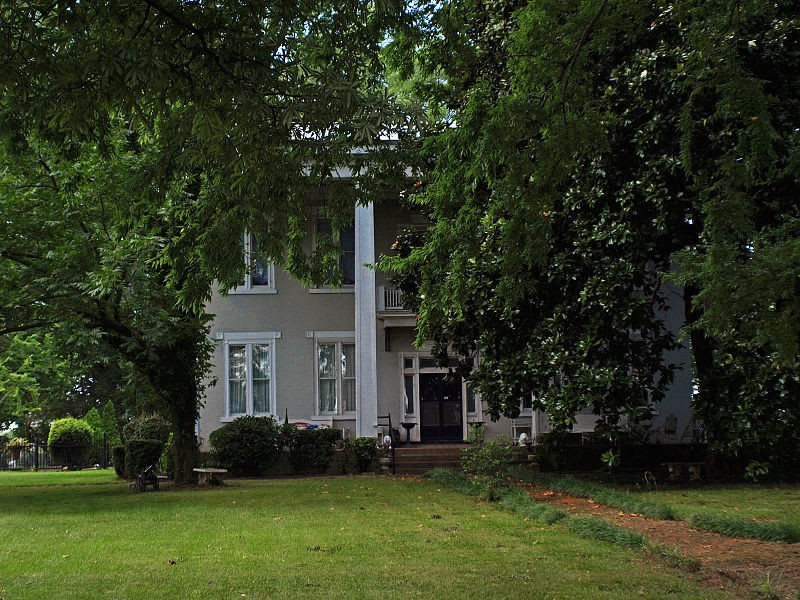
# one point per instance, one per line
(737, 565)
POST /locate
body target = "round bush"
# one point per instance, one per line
(247, 445)
(70, 441)
(364, 451)
(147, 427)
(140, 454)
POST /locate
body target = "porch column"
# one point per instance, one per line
(366, 319)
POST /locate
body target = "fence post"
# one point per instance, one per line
(35, 454)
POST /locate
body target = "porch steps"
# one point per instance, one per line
(419, 459)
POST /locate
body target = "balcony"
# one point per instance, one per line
(391, 310)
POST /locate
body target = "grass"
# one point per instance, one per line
(733, 526)
(344, 537)
(53, 478)
(753, 501)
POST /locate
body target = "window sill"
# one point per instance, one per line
(346, 289)
(252, 291)
(232, 418)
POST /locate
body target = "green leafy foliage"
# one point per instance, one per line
(140, 454)
(118, 460)
(364, 451)
(570, 175)
(70, 441)
(147, 427)
(247, 445)
(311, 450)
(489, 462)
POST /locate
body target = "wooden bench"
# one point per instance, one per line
(676, 470)
(210, 476)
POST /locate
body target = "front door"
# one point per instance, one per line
(440, 407)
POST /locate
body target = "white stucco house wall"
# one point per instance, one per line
(345, 357)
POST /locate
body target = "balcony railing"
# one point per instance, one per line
(390, 299)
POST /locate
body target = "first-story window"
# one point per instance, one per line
(250, 378)
(336, 377)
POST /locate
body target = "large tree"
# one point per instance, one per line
(161, 130)
(591, 145)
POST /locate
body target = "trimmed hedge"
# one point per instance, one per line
(311, 450)
(140, 454)
(247, 445)
(118, 460)
(147, 427)
(70, 441)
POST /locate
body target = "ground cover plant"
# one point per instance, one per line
(320, 537)
(757, 501)
(651, 508)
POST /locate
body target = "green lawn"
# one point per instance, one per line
(346, 537)
(759, 501)
(28, 478)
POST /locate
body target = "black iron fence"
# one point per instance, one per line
(40, 456)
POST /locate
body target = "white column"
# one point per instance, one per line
(366, 332)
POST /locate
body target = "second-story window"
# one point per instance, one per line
(260, 275)
(347, 242)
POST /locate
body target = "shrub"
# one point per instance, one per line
(364, 451)
(70, 441)
(147, 427)
(118, 460)
(311, 450)
(247, 445)
(490, 461)
(140, 454)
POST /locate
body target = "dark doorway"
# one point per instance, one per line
(440, 407)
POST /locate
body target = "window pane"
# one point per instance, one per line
(327, 361)
(427, 363)
(261, 361)
(237, 363)
(259, 271)
(408, 363)
(349, 394)
(348, 264)
(348, 360)
(348, 239)
(327, 396)
(237, 391)
(261, 395)
(470, 399)
(409, 389)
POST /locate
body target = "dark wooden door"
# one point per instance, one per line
(440, 407)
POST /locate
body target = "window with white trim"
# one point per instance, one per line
(336, 376)
(259, 277)
(249, 377)
(347, 243)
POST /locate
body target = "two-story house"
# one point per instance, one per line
(345, 356)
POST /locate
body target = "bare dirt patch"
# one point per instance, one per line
(739, 566)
